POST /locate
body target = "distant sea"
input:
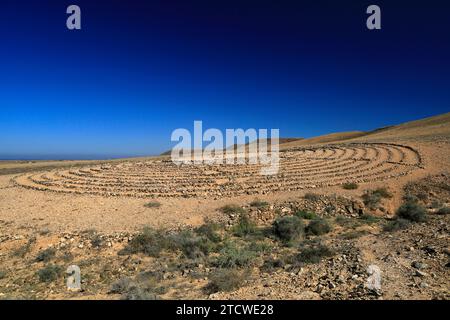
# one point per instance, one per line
(70, 157)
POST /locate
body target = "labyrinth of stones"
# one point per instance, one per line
(300, 168)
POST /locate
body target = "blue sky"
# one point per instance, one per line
(140, 69)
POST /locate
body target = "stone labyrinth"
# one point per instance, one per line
(300, 168)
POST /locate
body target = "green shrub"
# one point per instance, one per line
(223, 280)
(311, 196)
(2, 274)
(408, 197)
(260, 247)
(232, 209)
(313, 254)
(67, 256)
(444, 186)
(396, 224)
(131, 290)
(210, 231)
(308, 215)
(232, 256)
(318, 227)
(423, 196)
(244, 227)
(342, 220)
(23, 250)
(191, 245)
(383, 192)
(96, 241)
(138, 293)
(44, 231)
(150, 242)
(412, 211)
(444, 210)
(353, 234)
(368, 218)
(271, 265)
(372, 198)
(152, 204)
(259, 204)
(121, 285)
(288, 228)
(49, 273)
(46, 255)
(350, 186)
(436, 204)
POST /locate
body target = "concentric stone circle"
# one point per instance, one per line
(300, 168)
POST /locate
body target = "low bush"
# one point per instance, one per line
(138, 293)
(23, 250)
(259, 204)
(210, 230)
(311, 196)
(223, 280)
(46, 255)
(412, 211)
(191, 245)
(288, 228)
(150, 242)
(354, 234)
(318, 227)
(121, 285)
(422, 196)
(232, 256)
(383, 192)
(350, 186)
(260, 246)
(368, 218)
(232, 209)
(313, 254)
(49, 273)
(308, 215)
(96, 241)
(271, 265)
(444, 210)
(152, 204)
(396, 224)
(372, 198)
(408, 197)
(342, 220)
(436, 204)
(131, 290)
(244, 227)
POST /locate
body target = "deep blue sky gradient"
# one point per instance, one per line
(140, 69)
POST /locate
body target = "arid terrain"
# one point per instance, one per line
(145, 228)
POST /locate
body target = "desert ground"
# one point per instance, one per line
(145, 228)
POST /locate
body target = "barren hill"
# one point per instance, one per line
(435, 126)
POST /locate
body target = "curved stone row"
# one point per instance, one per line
(300, 168)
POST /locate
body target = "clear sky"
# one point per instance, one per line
(140, 69)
